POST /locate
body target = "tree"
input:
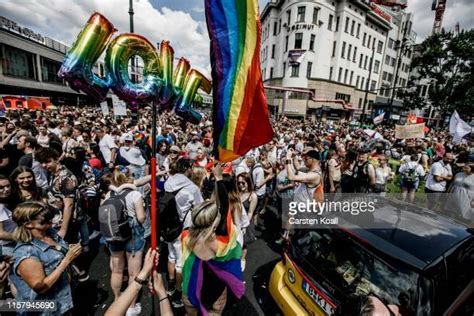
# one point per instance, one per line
(446, 59)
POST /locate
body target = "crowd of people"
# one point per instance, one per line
(59, 169)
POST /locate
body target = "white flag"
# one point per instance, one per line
(458, 128)
(378, 119)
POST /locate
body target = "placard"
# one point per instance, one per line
(410, 131)
(105, 108)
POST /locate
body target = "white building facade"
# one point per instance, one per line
(324, 47)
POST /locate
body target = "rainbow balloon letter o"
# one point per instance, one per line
(121, 49)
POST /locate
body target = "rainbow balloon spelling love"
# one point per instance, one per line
(176, 90)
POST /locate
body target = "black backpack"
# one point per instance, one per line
(113, 218)
(168, 222)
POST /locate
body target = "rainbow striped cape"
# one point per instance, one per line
(241, 119)
(226, 266)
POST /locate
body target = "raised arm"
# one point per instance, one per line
(222, 200)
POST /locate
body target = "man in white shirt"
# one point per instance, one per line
(107, 146)
(438, 178)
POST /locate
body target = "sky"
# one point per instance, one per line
(182, 22)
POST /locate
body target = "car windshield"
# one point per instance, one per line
(355, 271)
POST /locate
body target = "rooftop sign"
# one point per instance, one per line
(23, 31)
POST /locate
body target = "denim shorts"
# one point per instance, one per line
(134, 244)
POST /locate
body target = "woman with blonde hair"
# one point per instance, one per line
(130, 251)
(41, 268)
(211, 255)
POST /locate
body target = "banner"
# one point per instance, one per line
(105, 108)
(120, 107)
(410, 131)
(296, 56)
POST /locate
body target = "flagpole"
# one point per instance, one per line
(153, 179)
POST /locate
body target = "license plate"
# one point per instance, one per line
(317, 295)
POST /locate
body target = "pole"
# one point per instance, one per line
(130, 12)
(153, 179)
(367, 84)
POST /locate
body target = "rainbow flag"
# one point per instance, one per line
(226, 266)
(241, 119)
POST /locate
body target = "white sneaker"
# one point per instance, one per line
(94, 235)
(242, 264)
(135, 310)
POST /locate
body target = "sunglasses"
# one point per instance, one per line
(241, 183)
(175, 152)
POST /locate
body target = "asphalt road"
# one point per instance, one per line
(94, 296)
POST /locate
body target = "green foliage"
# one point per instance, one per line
(447, 60)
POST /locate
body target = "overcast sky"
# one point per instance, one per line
(182, 22)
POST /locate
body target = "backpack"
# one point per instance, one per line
(113, 218)
(169, 224)
(410, 176)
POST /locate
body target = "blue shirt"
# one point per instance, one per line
(50, 258)
(168, 138)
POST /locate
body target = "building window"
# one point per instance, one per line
(353, 27)
(362, 87)
(363, 39)
(389, 77)
(284, 69)
(49, 70)
(331, 17)
(334, 49)
(365, 62)
(19, 63)
(346, 27)
(387, 93)
(373, 85)
(390, 43)
(393, 62)
(380, 47)
(339, 76)
(330, 73)
(343, 96)
(308, 69)
(337, 24)
(357, 82)
(311, 42)
(349, 51)
(360, 60)
(384, 75)
(376, 66)
(288, 17)
(295, 70)
(351, 77)
(279, 26)
(368, 42)
(315, 15)
(286, 43)
(360, 103)
(387, 60)
(355, 55)
(273, 51)
(275, 28)
(343, 50)
(298, 40)
(301, 13)
(345, 75)
(358, 30)
(271, 72)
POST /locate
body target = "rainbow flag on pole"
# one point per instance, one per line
(241, 119)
